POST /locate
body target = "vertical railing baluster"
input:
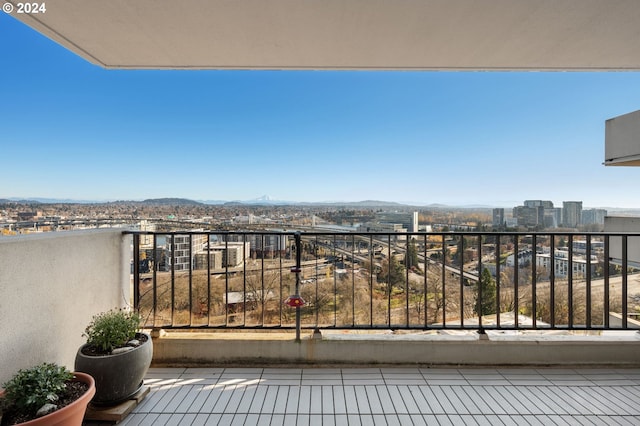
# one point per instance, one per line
(516, 281)
(406, 284)
(461, 273)
(426, 272)
(209, 279)
(588, 284)
(280, 240)
(156, 265)
(353, 285)
(190, 278)
(534, 279)
(570, 282)
(444, 276)
(371, 272)
(136, 272)
(225, 260)
(607, 270)
(480, 289)
(625, 283)
(389, 286)
(552, 281)
(498, 281)
(298, 242)
(343, 245)
(173, 278)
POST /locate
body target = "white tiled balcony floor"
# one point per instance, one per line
(389, 396)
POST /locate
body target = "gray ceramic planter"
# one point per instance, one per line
(118, 377)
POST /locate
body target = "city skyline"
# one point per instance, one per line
(71, 130)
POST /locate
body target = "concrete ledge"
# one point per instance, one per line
(208, 349)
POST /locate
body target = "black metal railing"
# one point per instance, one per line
(417, 281)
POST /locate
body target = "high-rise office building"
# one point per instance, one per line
(571, 213)
(538, 203)
(498, 217)
(529, 216)
(552, 217)
(593, 216)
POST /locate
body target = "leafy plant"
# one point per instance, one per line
(112, 329)
(29, 389)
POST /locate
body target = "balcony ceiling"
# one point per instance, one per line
(348, 34)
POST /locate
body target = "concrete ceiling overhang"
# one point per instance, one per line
(347, 34)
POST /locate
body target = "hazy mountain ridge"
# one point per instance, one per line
(266, 200)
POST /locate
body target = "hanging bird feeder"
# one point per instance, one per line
(295, 301)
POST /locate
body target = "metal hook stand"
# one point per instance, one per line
(295, 301)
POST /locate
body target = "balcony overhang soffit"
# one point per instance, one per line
(347, 34)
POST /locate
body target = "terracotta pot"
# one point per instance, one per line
(118, 377)
(72, 414)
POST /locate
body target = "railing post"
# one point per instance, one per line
(298, 269)
(136, 272)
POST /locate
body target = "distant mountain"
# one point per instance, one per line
(475, 206)
(265, 200)
(171, 202)
(213, 202)
(370, 203)
(49, 201)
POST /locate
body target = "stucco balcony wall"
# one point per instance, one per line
(51, 285)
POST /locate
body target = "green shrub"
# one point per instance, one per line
(112, 329)
(34, 387)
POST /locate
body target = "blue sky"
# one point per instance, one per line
(69, 129)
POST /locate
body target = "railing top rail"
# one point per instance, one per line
(434, 233)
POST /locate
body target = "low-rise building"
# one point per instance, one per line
(562, 265)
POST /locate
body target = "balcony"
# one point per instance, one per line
(222, 330)
(358, 306)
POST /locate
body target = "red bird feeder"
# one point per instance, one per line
(295, 301)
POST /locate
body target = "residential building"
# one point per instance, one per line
(524, 258)
(232, 253)
(580, 247)
(561, 264)
(214, 262)
(258, 245)
(146, 225)
(183, 246)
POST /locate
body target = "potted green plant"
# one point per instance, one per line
(46, 394)
(117, 354)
